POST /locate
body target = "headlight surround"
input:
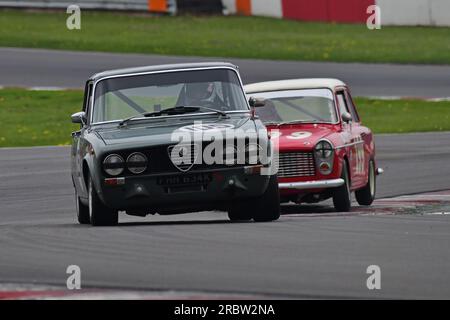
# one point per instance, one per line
(113, 164)
(324, 155)
(324, 150)
(137, 162)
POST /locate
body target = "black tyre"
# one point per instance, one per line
(366, 195)
(342, 197)
(267, 207)
(82, 211)
(240, 211)
(100, 215)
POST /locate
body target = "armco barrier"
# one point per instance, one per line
(415, 12)
(200, 6)
(163, 6)
(393, 12)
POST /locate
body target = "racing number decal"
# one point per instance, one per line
(299, 135)
(359, 148)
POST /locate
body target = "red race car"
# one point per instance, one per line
(324, 150)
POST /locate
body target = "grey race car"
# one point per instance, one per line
(131, 154)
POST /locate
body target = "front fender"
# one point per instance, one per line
(91, 168)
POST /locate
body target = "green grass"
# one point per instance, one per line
(404, 116)
(37, 118)
(233, 36)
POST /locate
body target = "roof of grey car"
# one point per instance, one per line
(162, 67)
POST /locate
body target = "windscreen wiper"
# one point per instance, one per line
(171, 111)
(222, 113)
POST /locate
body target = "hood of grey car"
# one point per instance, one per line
(163, 132)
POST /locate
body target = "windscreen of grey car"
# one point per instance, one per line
(121, 97)
(309, 105)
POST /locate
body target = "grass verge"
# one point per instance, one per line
(39, 118)
(233, 36)
(404, 116)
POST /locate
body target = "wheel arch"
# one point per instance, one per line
(89, 169)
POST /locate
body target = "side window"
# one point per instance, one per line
(351, 106)
(342, 103)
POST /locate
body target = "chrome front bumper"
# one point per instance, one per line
(316, 184)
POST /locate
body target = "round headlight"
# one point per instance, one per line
(113, 164)
(323, 149)
(137, 162)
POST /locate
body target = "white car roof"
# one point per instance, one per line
(294, 84)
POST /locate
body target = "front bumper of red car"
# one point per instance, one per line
(314, 184)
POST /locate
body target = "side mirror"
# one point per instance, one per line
(346, 117)
(256, 102)
(79, 117)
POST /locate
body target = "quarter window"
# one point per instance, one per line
(87, 98)
(351, 106)
(342, 102)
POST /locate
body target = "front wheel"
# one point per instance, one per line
(267, 207)
(100, 215)
(366, 195)
(262, 209)
(240, 211)
(342, 197)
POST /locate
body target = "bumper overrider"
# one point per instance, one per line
(205, 187)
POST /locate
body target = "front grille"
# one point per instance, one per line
(159, 161)
(296, 164)
(186, 154)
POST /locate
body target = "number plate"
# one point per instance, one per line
(188, 179)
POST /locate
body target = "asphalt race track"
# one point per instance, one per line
(43, 68)
(311, 252)
(299, 256)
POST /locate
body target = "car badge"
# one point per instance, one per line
(183, 157)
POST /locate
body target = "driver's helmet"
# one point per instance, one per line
(199, 92)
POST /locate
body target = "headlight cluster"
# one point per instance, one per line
(114, 164)
(137, 162)
(324, 155)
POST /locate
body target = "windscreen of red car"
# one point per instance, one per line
(312, 105)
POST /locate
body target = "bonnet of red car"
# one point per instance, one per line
(300, 137)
